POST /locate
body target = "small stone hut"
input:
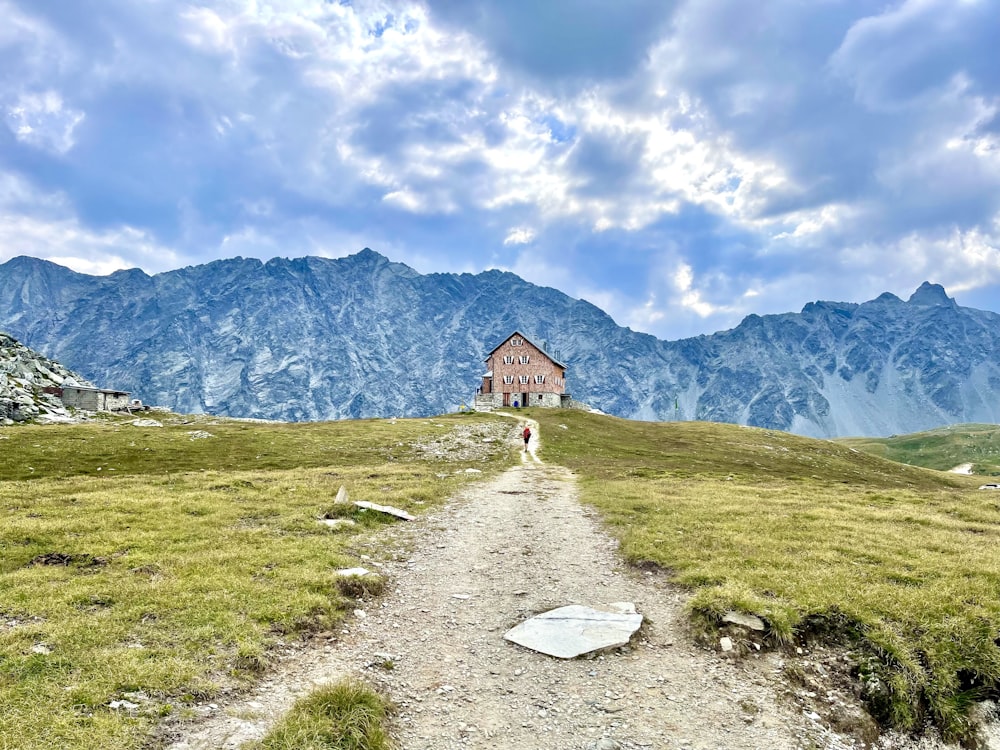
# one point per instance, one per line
(93, 399)
(520, 372)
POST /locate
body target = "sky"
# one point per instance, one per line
(679, 163)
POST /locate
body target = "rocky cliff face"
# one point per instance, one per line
(314, 338)
(23, 376)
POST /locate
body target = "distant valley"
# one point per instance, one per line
(315, 338)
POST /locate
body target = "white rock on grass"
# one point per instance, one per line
(336, 523)
(348, 572)
(388, 509)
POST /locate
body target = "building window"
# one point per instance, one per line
(523, 360)
(516, 341)
(539, 379)
(524, 380)
(508, 379)
(508, 360)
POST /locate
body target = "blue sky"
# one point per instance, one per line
(680, 164)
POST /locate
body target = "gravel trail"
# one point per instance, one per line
(494, 555)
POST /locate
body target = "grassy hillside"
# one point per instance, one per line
(143, 569)
(816, 538)
(942, 449)
(160, 565)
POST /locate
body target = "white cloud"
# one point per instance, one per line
(647, 317)
(69, 243)
(43, 225)
(690, 297)
(42, 120)
(519, 236)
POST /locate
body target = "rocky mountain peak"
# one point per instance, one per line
(931, 295)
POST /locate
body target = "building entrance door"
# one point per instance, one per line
(506, 399)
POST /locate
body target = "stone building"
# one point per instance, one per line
(89, 398)
(521, 373)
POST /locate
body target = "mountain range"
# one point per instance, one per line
(315, 338)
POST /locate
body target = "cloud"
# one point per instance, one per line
(68, 243)
(42, 121)
(519, 236)
(562, 40)
(906, 56)
(685, 163)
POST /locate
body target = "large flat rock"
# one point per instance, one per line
(575, 630)
(397, 512)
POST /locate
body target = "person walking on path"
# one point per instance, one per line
(527, 436)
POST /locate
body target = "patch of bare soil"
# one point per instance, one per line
(496, 554)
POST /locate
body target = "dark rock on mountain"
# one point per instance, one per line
(314, 338)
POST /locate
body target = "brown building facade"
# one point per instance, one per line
(521, 373)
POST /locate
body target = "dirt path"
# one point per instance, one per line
(496, 554)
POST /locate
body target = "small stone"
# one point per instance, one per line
(336, 523)
(748, 621)
(348, 572)
(341, 498)
(726, 643)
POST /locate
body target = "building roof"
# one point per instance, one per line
(76, 386)
(528, 339)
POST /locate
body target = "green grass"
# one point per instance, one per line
(820, 540)
(115, 447)
(142, 565)
(345, 716)
(942, 449)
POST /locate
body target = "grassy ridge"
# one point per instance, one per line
(942, 449)
(810, 535)
(173, 570)
(116, 447)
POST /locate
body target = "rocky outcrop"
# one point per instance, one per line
(24, 376)
(315, 338)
